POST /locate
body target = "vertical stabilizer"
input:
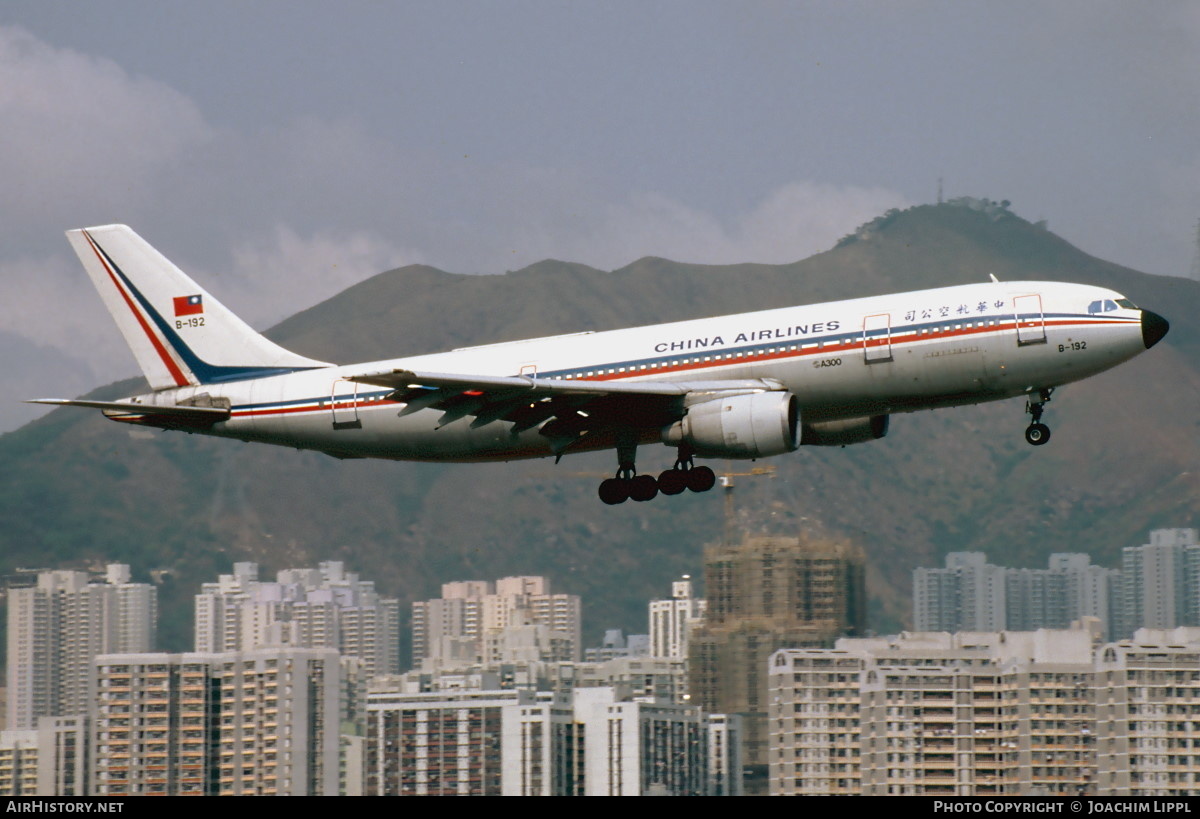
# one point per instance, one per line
(178, 332)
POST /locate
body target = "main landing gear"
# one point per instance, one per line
(628, 485)
(1037, 433)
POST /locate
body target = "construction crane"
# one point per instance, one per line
(726, 481)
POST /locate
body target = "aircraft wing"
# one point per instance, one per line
(570, 409)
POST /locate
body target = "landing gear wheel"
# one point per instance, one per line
(614, 491)
(701, 479)
(643, 488)
(673, 481)
(1037, 434)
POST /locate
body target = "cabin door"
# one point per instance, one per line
(877, 338)
(1031, 321)
(343, 401)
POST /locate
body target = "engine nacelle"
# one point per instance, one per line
(841, 433)
(756, 425)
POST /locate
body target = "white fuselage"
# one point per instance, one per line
(847, 359)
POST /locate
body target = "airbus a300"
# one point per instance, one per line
(751, 385)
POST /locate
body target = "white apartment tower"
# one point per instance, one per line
(672, 620)
(57, 624)
(326, 607)
(967, 595)
(970, 594)
(456, 626)
(1043, 713)
(469, 741)
(1160, 581)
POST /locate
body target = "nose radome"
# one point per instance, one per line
(1154, 327)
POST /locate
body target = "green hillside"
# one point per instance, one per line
(1125, 457)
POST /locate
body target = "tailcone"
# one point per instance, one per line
(1154, 327)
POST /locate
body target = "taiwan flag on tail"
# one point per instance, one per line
(188, 305)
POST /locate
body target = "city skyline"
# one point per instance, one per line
(254, 711)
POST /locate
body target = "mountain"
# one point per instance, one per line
(76, 489)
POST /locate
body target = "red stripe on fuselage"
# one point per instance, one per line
(899, 337)
(902, 336)
(341, 405)
(180, 379)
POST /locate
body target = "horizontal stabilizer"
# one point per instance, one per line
(206, 414)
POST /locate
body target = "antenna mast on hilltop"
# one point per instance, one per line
(1195, 274)
(939, 190)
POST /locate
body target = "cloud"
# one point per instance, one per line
(50, 301)
(804, 218)
(283, 272)
(81, 134)
(790, 223)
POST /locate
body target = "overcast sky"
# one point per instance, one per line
(281, 151)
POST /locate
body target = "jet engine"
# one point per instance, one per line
(841, 433)
(755, 425)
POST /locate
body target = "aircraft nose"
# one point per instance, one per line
(1154, 327)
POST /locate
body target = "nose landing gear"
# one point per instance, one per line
(1037, 433)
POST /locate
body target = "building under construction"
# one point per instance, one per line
(765, 594)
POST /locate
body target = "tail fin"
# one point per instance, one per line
(179, 334)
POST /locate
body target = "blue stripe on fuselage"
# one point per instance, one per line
(808, 346)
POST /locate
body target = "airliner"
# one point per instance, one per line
(747, 386)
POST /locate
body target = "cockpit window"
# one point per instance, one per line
(1108, 305)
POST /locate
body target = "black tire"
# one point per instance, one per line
(701, 479)
(672, 482)
(613, 491)
(1037, 434)
(643, 488)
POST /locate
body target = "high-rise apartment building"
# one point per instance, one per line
(1158, 586)
(18, 763)
(64, 756)
(970, 594)
(453, 628)
(51, 760)
(590, 741)
(979, 714)
(1160, 582)
(1146, 723)
(57, 622)
(326, 607)
(763, 595)
(671, 621)
(260, 722)
(967, 595)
